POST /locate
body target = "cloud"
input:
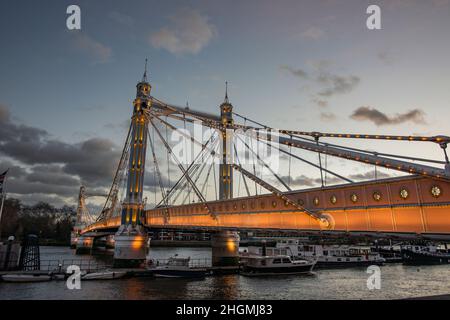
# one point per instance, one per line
(313, 33)
(327, 116)
(326, 83)
(92, 48)
(42, 165)
(320, 102)
(295, 72)
(188, 33)
(337, 84)
(379, 118)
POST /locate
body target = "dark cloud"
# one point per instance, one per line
(336, 84)
(328, 84)
(295, 72)
(379, 118)
(42, 165)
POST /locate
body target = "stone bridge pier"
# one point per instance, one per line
(84, 245)
(225, 248)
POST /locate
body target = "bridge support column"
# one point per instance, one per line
(84, 245)
(130, 246)
(110, 242)
(225, 248)
(73, 239)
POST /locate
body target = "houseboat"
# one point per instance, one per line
(424, 254)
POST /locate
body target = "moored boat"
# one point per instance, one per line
(176, 267)
(429, 254)
(15, 277)
(275, 265)
(326, 256)
(104, 275)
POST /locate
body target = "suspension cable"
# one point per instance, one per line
(120, 167)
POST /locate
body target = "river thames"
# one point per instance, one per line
(397, 282)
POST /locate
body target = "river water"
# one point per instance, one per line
(397, 281)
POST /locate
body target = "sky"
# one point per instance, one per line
(66, 95)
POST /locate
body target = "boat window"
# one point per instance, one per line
(286, 260)
(325, 252)
(276, 261)
(339, 259)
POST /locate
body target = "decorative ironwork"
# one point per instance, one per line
(404, 193)
(316, 201)
(376, 196)
(333, 199)
(436, 191)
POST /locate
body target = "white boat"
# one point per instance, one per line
(26, 277)
(104, 275)
(176, 267)
(276, 265)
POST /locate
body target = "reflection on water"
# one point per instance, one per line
(397, 281)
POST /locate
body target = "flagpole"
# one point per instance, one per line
(3, 201)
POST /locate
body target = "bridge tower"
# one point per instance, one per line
(131, 239)
(225, 244)
(225, 168)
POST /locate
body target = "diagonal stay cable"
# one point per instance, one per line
(199, 195)
(265, 164)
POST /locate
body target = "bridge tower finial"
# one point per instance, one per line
(144, 77)
(226, 92)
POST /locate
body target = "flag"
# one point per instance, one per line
(2, 180)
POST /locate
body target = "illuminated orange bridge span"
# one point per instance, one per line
(415, 205)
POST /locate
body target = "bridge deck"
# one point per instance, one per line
(374, 206)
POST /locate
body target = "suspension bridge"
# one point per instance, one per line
(247, 192)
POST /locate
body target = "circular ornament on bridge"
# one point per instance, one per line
(333, 199)
(404, 193)
(376, 196)
(286, 203)
(252, 205)
(301, 202)
(326, 222)
(316, 201)
(274, 203)
(243, 206)
(436, 191)
(354, 197)
(262, 204)
(235, 206)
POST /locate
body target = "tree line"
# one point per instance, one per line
(52, 225)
